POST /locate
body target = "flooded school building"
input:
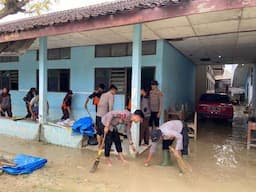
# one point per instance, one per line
(128, 44)
(183, 44)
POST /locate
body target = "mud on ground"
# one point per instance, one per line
(219, 160)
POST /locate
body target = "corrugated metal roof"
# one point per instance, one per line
(80, 14)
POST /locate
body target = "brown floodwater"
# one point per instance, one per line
(219, 158)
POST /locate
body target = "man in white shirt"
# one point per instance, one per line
(34, 107)
(168, 132)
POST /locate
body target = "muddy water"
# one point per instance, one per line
(219, 159)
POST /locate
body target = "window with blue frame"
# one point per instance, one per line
(124, 49)
(8, 59)
(122, 77)
(9, 79)
(58, 80)
(57, 53)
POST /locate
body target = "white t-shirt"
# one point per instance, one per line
(171, 130)
(34, 102)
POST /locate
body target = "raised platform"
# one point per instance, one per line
(22, 129)
(60, 136)
(30, 130)
(51, 133)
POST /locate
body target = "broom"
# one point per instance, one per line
(97, 160)
(184, 167)
(4, 162)
(18, 118)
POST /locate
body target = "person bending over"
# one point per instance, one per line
(111, 121)
(168, 132)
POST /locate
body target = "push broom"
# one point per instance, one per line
(97, 160)
(184, 167)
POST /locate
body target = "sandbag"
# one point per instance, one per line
(25, 164)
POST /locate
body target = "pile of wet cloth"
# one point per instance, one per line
(66, 123)
(22, 164)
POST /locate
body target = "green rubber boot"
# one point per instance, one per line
(166, 158)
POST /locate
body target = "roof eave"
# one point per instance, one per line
(129, 18)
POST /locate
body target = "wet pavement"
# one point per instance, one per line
(219, 159)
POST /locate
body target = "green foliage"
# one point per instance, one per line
(38, 6)
(9, 7)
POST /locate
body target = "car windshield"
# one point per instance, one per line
(212, 98)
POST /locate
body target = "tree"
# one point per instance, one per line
(10, 7)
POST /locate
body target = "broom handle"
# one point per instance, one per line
(182, 164)
(88, 113)
(102, 144)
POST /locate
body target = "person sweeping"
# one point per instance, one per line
(168, 133)
(111, 121)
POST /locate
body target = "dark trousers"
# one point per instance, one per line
(112, 136)
(144, 131)
(167, 143)
(65, 114)
(154, 120)
(8, 110)
(99, 126)
(185, 138)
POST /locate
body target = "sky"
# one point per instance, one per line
(58, 6)
(230, 68)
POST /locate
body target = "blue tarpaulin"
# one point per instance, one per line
(84, 126)
(25, 164)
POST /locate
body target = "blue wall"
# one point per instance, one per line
(178, 78)
(175, 73)
(82, 65)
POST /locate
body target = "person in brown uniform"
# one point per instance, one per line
(156, 102)
(106, 104)
(5, 103)
(144, 126)
(111, 121)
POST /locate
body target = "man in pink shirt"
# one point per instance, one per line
(111, 121)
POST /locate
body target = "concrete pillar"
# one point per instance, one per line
(136, 79)
(42, 79)
(254, 91)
